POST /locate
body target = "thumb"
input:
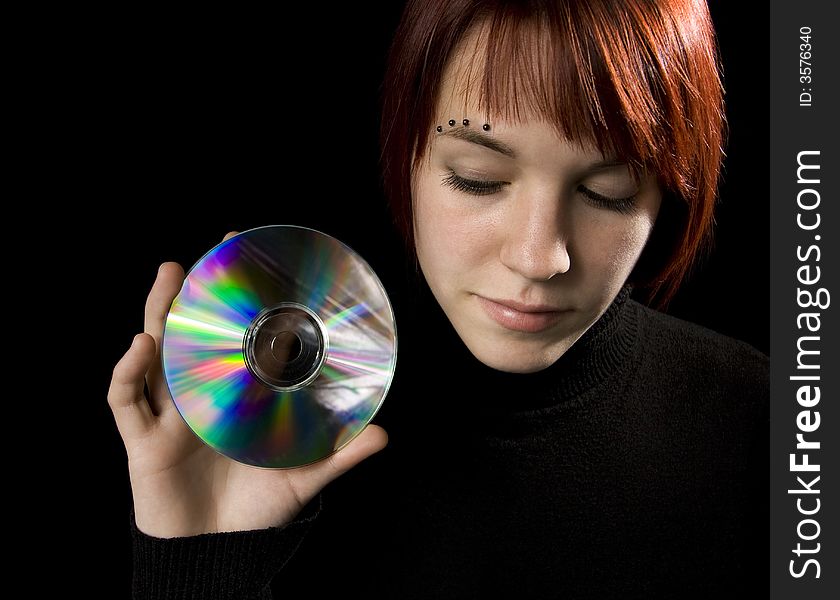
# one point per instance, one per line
(372, 439)
(313, 478)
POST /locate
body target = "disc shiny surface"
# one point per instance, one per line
(280, 347)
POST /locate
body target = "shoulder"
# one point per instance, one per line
(689, 352)
(686, 339)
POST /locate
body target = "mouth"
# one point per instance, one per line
(521, 317)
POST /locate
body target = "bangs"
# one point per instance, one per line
(595, 72)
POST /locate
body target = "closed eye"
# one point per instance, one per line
(623, 205)
(475, 187)
(478, 187)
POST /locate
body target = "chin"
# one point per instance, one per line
(511, 360)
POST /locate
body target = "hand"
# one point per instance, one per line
(182, 487)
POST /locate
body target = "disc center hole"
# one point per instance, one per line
(286, 347)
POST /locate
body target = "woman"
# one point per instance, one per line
(549, 436)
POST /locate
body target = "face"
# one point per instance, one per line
(524, 237)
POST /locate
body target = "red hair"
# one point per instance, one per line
(638, 78)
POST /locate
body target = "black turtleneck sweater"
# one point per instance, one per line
(634, 467)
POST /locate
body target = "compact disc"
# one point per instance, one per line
(280, 347)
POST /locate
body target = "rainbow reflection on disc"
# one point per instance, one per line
(280, 347)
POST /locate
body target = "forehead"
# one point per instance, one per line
(464, 73)
(480, 82)
(464, 93)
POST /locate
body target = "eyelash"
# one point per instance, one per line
(472, 186)
(624, 206)
(485, 188)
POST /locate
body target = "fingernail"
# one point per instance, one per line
(134, 341)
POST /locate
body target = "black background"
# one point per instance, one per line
(198, 124)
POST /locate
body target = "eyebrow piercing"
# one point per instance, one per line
(465, 122)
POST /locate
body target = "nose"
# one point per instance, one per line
(535, 239)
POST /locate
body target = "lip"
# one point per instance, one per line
(516, 316)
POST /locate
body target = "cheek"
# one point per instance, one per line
(628, 234)
(613, 244)
(452, 235)
(631, 240)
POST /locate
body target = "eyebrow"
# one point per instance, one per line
(476, 137)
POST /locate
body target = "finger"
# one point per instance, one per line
(132, 412)
(168, 283)
(310, 480)
(229, 235)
